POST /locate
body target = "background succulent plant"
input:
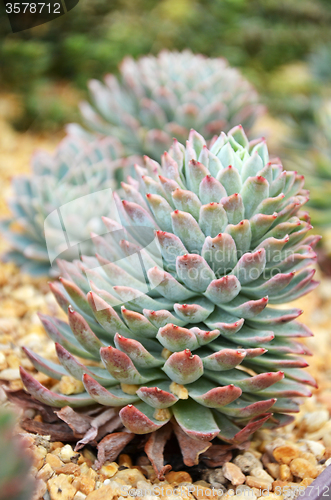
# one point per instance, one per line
(15, 463)
(192, 335)
(158, 98)
(73, 181)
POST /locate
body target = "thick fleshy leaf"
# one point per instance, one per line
(83, 333)
(250, 266)
(183, 367)
(116, 397)
(167, 285)
(194, 271)
(138, 324)
(211, 190)
(38, 391)
(223, 360)
(195, 310)
(187, 201)
(247, 383)
(212, 219)
(242, 235)
(220, 253)
(122, 368)
(223, 290)
(188, 230)
(77, 369)
(140, 418)
(106, 315)
(195, 420)
(157, 397)
(229, 178)
(171, 246)
(234, 208)
(206, 394)
(45, 366)
(231, 433)
(176, 339)
(137, 352)
(254, 190)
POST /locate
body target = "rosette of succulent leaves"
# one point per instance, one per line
(58, 206)
(160, 97)
(175, 315)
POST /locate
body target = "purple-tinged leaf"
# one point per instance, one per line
(140, 420)
(50, 398)
(137, 352)
(156, 397)
(116, 397)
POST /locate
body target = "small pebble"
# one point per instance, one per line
(215, 477)
(285, 454)
(129, 476)
(66, 453)
(178, 477)
(109, 470)
(45, 473)
(316, 448)
(233, 473)
(10, 374)
(261, 474)
(255, 482)
(314, 421)
(246, 462)
(285, 473)
(79, 496)
(60, 487)
(273, 469)
(302, 468)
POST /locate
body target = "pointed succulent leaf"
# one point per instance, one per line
(183, 367)
(157, 397)
(116, 397)
(140, 419)
(223, 290)
(122, 368)
(212, 219)
(197, 421)
(188, 230)
(220, 253)
(50, 398)
(176, 339)
(194, 271)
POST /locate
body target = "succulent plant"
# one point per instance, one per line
(72, 185)
(176, 311)
(15, 483)
(158, 98)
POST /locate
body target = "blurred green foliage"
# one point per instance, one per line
(257, 36)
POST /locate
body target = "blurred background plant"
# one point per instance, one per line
(258, 36)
